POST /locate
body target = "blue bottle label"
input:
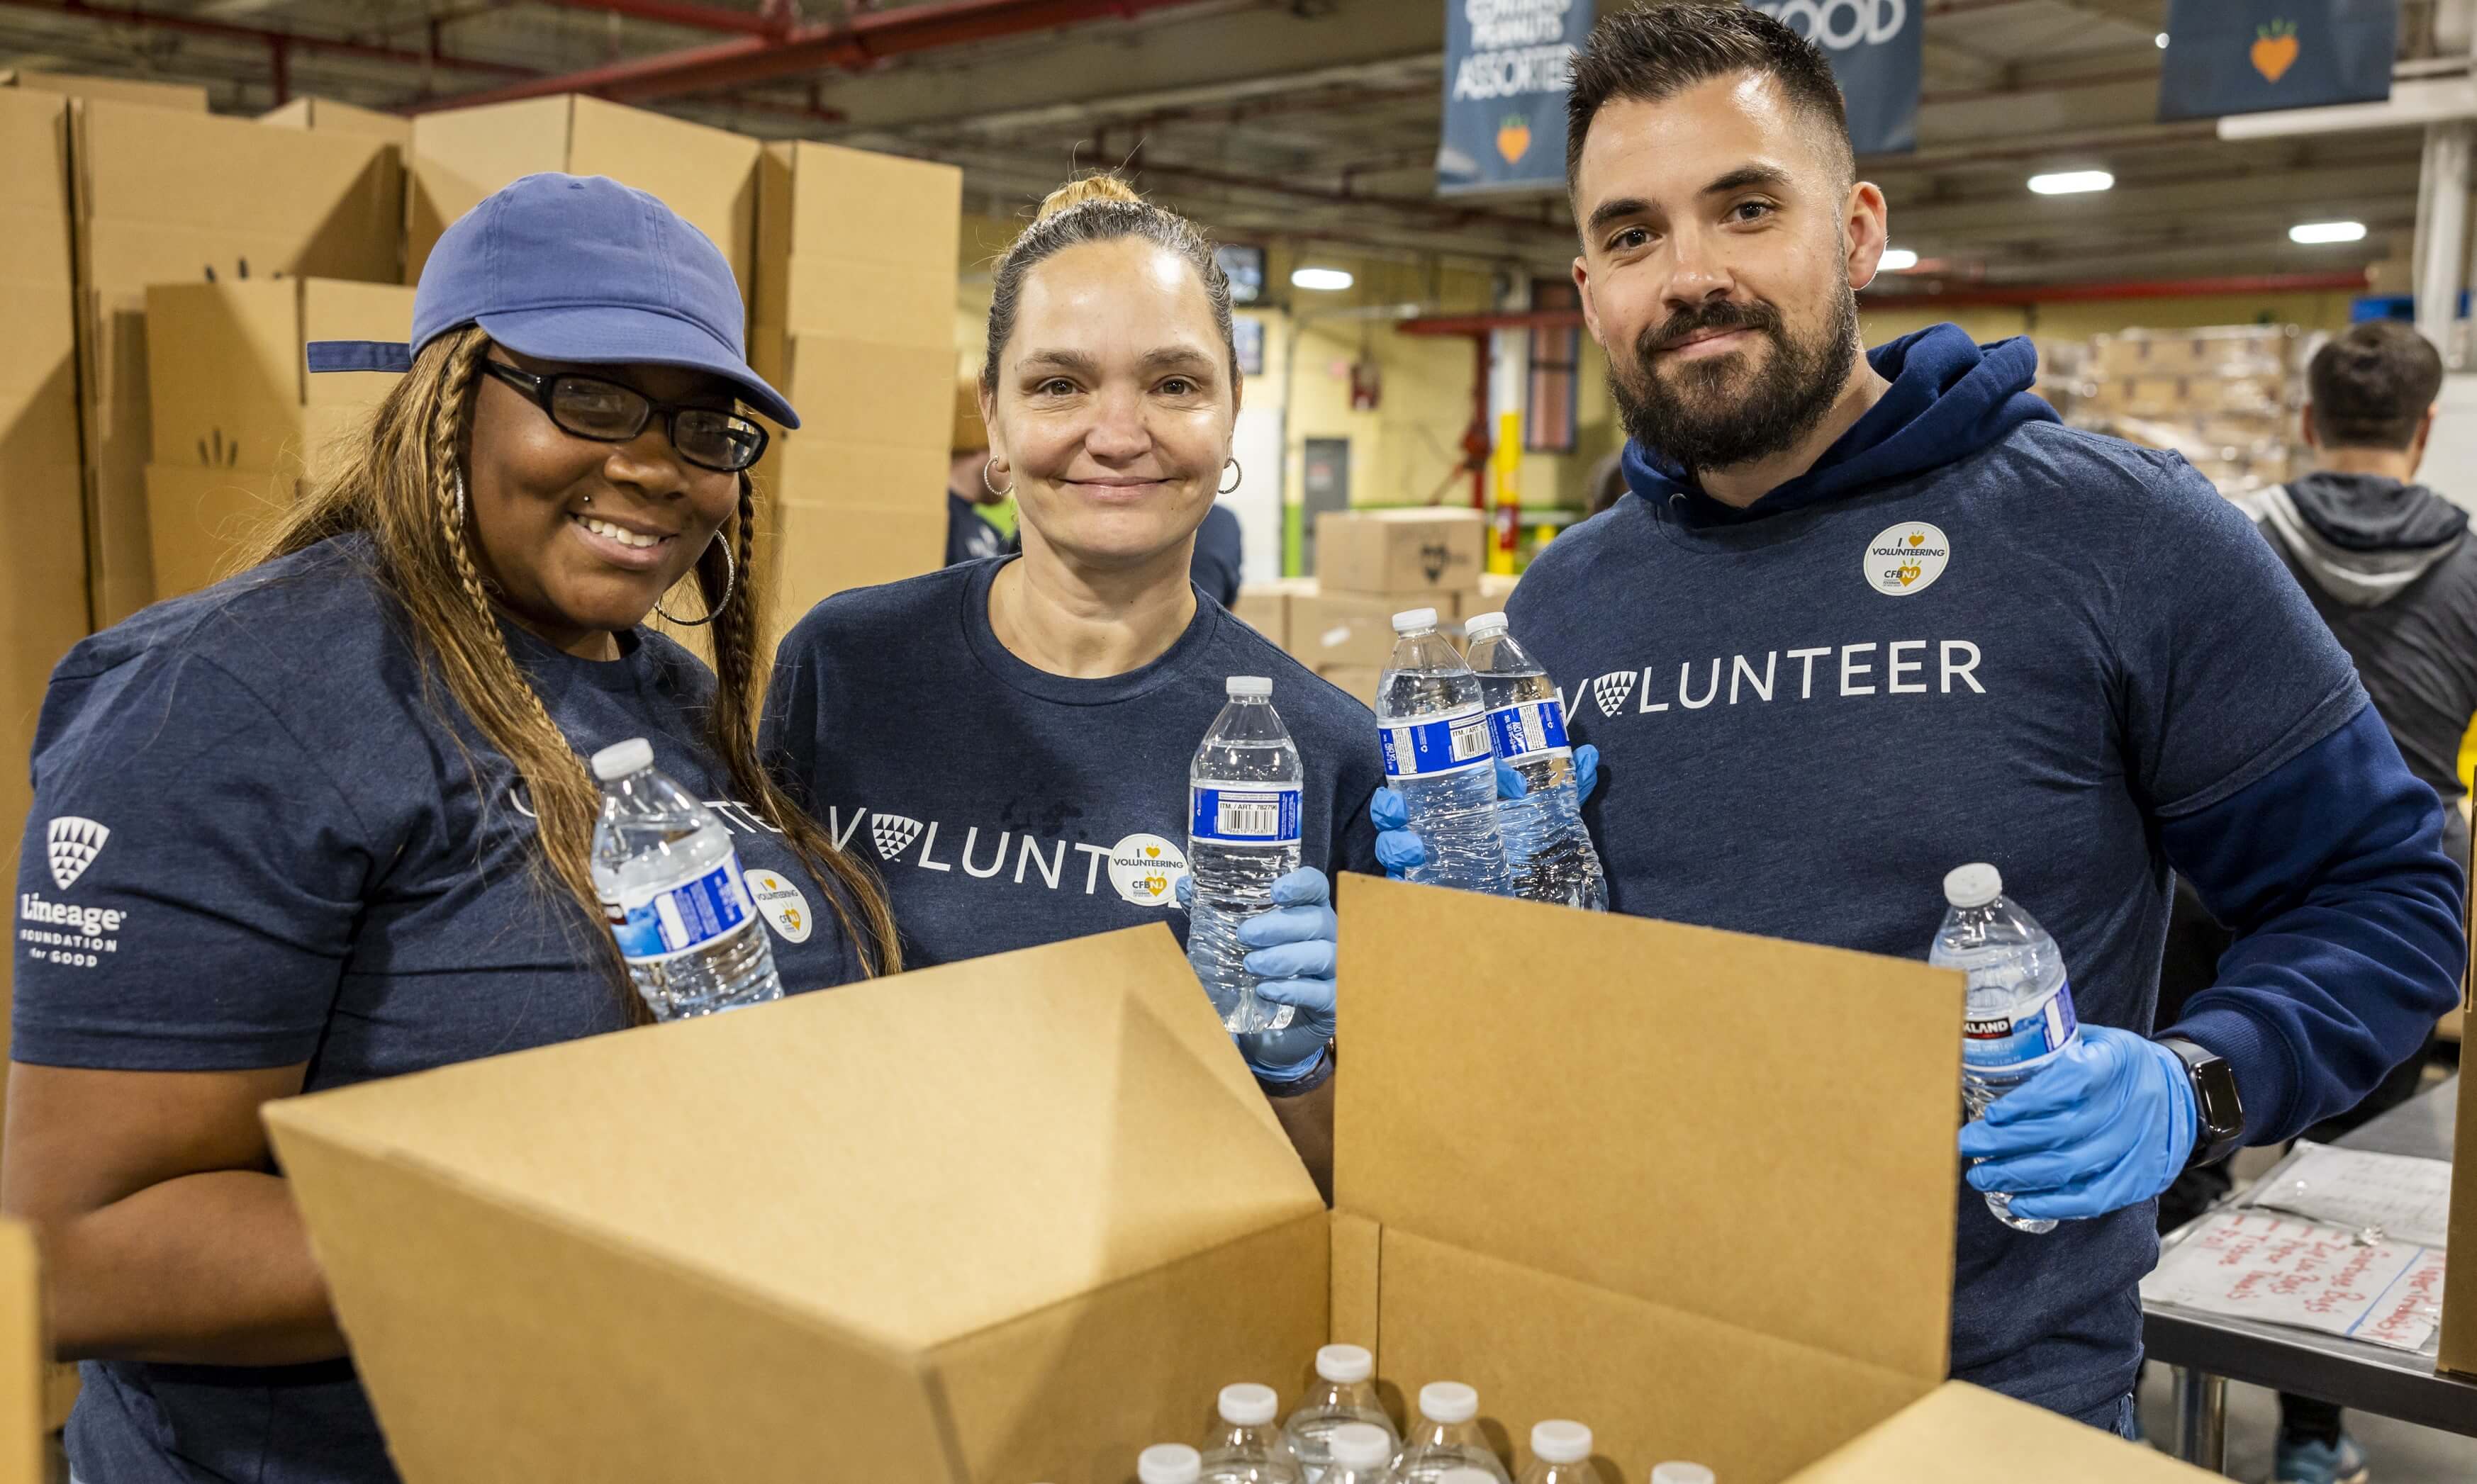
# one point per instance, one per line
(667, 921)
(1447, 744)
(1529, 729)
(1243, 813)
(2011, 1044)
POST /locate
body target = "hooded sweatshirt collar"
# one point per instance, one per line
(2361, 538)
(1948, 398)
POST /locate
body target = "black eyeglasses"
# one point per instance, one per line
(607, 413)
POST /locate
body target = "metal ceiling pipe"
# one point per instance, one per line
(260, 35)
(694, 17)
(855, 43)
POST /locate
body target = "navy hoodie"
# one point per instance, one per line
(1968, 633)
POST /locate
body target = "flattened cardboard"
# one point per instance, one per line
(1962, 1435)
(187, 97)
(200, 521)
(313, 112)
(951, 1226)
(24, 1363)
(1431, 551)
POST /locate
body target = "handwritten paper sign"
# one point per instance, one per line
(2283, 1271)
(2403, 1197)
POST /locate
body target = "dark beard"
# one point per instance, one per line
(1692, 416)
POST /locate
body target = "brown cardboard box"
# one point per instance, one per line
(893, 394)
(191, 97)
(1494, 588)
(1015, 1218)
(461, 156)
(1959, 1433)
(199, 521)
(2457, 1348)
(24, 1364)
(856, 249)
(160, 200)
(1330, 628)
(310, 112)
(1266, 606)
(1434, 551)
(812, 552)
(1359, 680)
(228, 381)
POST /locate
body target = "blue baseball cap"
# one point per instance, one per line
(577, 268)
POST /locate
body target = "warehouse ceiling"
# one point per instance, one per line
(1310, 121)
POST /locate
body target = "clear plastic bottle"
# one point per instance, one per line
(1446, 1437)
(672, 893)
(1246, 1447)
(1560, 1453)
(2019, 1013)
(1362, 1454)
(1344, 1392)
(1546, 848)
(1242, 836)
(1168, 1463)
(1679, 1471)
(1434, 732)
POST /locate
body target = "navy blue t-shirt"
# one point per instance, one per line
(2030, 651)
(1006, 806)
(255, 843)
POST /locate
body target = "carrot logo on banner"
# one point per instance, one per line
(1906, 560)
(2274, 49)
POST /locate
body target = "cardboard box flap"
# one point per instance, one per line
(1960, 1434)
(1755, 1131)
(1028, 1127)
(23, 1363)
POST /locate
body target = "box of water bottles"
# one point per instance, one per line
(1018, 1220)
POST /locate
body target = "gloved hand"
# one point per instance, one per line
(2106, 1125)
(1399, 848)
(1292, 953)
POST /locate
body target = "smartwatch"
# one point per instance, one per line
(2214, 1100)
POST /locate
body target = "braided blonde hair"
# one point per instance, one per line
(402, 486)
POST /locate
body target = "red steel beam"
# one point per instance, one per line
(259, 36)
(861, 41)
(678, 13)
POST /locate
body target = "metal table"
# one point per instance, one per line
(2208, 1349)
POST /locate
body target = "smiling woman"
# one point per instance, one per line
(336, 822)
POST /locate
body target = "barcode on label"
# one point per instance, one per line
(1250, 817)
(1470, 740)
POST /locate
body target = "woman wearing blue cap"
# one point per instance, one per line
(329, 821)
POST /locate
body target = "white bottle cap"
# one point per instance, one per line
(1680, 1474)
(1413, 620)
(1358, 1445)
(1448, 1401)
(1248, 685)
(1972, 885)
(1248, 1404)
(621, 759)
(1344, 1363)
(1466, 1474)
(1472, 625)
(1560, 1443)
(1168, 1463)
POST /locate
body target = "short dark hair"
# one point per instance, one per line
(1657, 51)
(2371, 385)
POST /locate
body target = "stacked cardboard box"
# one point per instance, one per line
(1266, 606)
(1054, 1214)
(2225, 398)
(167, 197)
(854, 322)
(309, 112)
(237, 419)
(1373, 564)
(191, 97)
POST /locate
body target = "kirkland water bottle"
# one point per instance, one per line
(2019, 1015)
(1344, 1392)
(1560, 1453)
(1434, 732)
(672, 891)
(1168, 1463)
(1362, 1454)
(1242, 836)
(1546, 848)
(1446, 1437)
(1246, 1446)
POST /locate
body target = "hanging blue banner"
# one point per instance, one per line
(2258, 56)
(1877, 49)
(1507, 66)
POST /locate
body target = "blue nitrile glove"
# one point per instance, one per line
(1292, 958)
(1399, 848)
(2107, 1124)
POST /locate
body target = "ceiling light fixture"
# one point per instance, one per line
(2072, 183)
(1321, 280)
(2311, 234)
(1897, 259)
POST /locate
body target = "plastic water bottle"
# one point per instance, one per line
(1434, 732)
(1242, 836)
(1362, 1454)
(672, 891)
(2019, 1014)
(1560, 1453)
(1679, 1471)
(1446, 1437)
(1546, 848)
(1344, 1392)
(1168, 1463)
(1248, 1445)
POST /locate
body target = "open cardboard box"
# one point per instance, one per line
(1011, 1220)
(24, 1364)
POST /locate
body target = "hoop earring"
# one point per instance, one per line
(730, 585)
(1237, 472)
(991, 484)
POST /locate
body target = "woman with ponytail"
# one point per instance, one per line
(330, 820)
